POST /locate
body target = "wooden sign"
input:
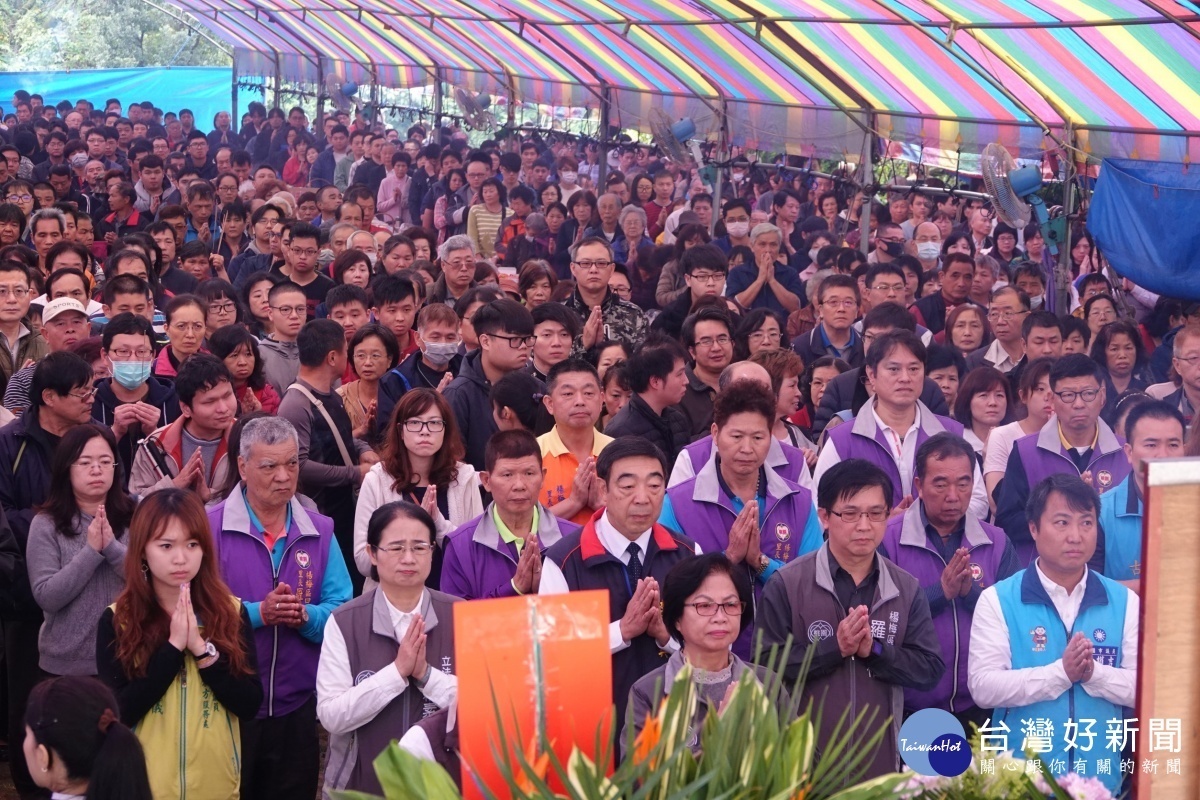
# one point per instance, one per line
(542, 662)
(1169, 638)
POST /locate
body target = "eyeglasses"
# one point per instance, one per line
(707, 277)
(709, 341)
(19, 198)
(1005, 316)
(884, 287)
(587, 266)
(290, 311)
(705, 609)
(221, 308)
(1088, 395)
(418, 425)
(768, 336)
(515, 342)
(416, 548)
(362, 356)
(1189, 360)
(13, 291)
(144, 354)
(308, 252)
(840, 304)
(853, 515)
(86, 394)
(186, 327)
(87, 464)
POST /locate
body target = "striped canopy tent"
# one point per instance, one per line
(814, 77)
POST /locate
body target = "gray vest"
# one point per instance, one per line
(816, 613)
(371, 645)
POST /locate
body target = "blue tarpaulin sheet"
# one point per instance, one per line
(204, 90)
(1143, 217)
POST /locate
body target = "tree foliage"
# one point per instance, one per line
(97, 34)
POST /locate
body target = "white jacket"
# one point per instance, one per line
(463, 498)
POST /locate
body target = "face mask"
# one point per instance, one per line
(738, 177)
(928, 251)
(79, 160)
(439, 353)
(568, 177)
(812, 254)
(130, 374)
(893, 249)
(1036, 302)
(737, 230)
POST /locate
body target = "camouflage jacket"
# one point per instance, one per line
(623, 321)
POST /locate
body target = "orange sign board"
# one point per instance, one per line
(543, 662)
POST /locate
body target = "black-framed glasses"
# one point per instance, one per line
(418, 425)
(515, 342)
(1088, 395)
(853, 515)
(704, 608)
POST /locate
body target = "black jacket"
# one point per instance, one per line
(847, 392)
(809, 347)
(104, 407)
(470, 397)
(400, 379)
(25, 455)
(670, 431)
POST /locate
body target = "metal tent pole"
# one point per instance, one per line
(317, 127)
(605, 114)
(1062, 271)
(278, 80)
(437, 102)
(234, 122)
(867, 180)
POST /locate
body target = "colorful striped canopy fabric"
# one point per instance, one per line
(1117, 77)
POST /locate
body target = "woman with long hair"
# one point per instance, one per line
(152, 648)
(422, 464)
(76, 548)
(238, 349)
(1035, 397)
(77, 748)
(258, 308)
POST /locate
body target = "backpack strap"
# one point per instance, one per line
(337, 435)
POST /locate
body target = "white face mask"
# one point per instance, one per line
(928, 251)
(738, 230)
(812, 254)
(738, 177)
(569, 177)
(1036, 302)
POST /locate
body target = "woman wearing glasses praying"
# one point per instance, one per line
(706, 603)
(187, 317)
(76, 550)
(422, 464)
(376, 677)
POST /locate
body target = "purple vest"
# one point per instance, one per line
(851, 441)
(906, 544)
(704, 511)
(287, 662)
(789, 468)
(1043, 455)
(479, 564)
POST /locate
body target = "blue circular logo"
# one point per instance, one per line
(932, 742)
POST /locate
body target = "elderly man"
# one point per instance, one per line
(955, 555)
(868, 619)
(927, 246)
(457, 256)
(1058, 642)
(608, 208)
(768, 282)
(1006, 313)
(284, 562)
(606, 317)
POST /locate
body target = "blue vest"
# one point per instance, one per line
(1037, 637)
(1122, 532)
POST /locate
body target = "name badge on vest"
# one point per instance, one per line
(1105, 655)
(819, 630)
(302, 560)
(782, 532)
(976, 573)
(1104, 478)
(1039, 639)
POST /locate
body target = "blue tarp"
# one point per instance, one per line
(1144, 219)
(204, 90)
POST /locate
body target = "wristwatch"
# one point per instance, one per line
(764, 561)
(210, 656)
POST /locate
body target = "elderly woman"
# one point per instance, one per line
(706, 603)
(635, 251)
(768, 282)
(456, 256)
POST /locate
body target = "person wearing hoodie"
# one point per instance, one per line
(154, 190)
(190, 452)
(132, 402)
(280, 353)
(505, 332)
(436, 360)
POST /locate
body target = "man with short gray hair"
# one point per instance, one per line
(769, 282)
(457, 256)
(283, 561)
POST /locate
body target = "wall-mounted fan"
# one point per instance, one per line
(1014, 193)
(343, 94)
(475, 109)
(677, 139)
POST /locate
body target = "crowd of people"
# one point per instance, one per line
(276, 397)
